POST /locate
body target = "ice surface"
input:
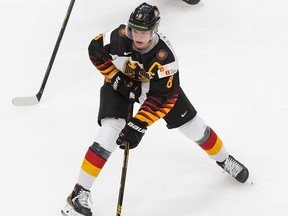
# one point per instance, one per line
(233, 62)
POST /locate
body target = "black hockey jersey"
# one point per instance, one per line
(109, 52)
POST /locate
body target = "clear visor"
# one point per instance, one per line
(151, 33)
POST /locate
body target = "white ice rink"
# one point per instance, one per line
(233, 65)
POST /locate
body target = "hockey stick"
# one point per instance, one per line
(123, 179)
(124, 168)
(27, 101)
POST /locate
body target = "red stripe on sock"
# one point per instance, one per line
(210, 142)
(94, 159)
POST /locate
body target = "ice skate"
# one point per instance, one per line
(235, 169)
(78, 203)
(193, 2)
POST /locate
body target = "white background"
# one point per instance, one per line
(233, 65)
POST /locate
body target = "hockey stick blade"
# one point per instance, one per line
(25, 101)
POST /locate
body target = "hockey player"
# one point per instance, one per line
(137, 58)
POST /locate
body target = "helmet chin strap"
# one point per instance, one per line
(154, 33)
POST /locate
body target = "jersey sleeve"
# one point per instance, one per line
(99, 55)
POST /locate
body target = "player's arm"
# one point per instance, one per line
(99, 56)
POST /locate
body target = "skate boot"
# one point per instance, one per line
(235, 169)
(78, 203)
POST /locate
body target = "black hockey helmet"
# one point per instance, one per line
(144, 18)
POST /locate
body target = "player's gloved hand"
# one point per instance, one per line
(125, 85)
(134, 71)
(132, 133)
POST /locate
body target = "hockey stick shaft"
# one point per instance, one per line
(123, 180)
(124, 168)
(56, 47)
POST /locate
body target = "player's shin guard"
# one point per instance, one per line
(197, 130)
(208, 140)
(92, 164)
(212, 145)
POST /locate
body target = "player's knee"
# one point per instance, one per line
(114, 123)
(109, 132)
(194, 129)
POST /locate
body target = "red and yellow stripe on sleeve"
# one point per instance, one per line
(108, 70)
(152, 109)
(106, 67)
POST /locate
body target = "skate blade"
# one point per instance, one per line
(250, 181)
(69, 211)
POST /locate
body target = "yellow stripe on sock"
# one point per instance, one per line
(90, 169)
(216, 148)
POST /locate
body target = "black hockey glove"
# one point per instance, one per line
(132, 133)
(125, 85)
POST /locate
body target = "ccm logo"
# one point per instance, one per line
(135, 127)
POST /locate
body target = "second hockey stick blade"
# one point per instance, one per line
(25, 101)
